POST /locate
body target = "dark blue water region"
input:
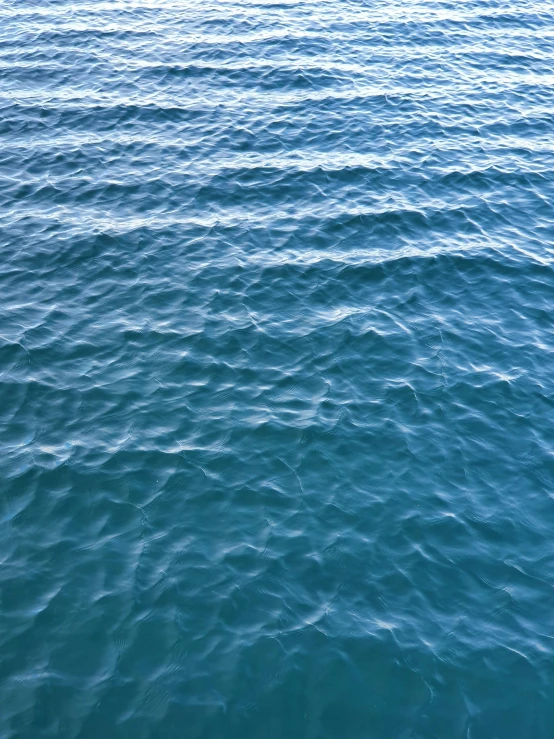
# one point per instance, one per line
(277, 369)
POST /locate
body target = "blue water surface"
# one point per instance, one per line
(277, 369)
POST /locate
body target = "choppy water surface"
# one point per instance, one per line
(277, 361)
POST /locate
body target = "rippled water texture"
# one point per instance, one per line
(277, 361)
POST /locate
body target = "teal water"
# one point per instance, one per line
(277, 363)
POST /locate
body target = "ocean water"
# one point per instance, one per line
(277, 369)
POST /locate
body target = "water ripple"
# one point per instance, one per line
(275, 342)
